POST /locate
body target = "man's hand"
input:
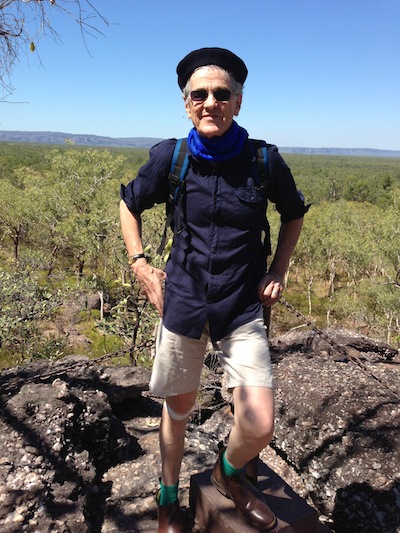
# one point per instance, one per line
(150, 280)
(270, 289)
(271, 284)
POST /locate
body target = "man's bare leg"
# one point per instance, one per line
(172, 435)
(254, 424)
(172, 438)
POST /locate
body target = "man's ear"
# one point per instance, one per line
(238, 104)
(187, 107)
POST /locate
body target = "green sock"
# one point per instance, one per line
(228, 469)
(168, 494)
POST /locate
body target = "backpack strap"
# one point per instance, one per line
(260, 165)
(259, 151)
(177, 173)
(178, 170)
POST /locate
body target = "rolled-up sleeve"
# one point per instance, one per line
(151, 184)
(282, 189)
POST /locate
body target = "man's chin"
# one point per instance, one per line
(211, 131)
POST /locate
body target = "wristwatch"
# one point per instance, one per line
(133, 258)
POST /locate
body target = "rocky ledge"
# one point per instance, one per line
(79, 450)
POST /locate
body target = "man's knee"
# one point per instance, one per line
(266, 431)
(180, 407)
(260, 431)
(178, 416)
(254, 414)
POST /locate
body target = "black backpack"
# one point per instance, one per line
(178, 170)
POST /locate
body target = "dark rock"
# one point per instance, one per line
(123, 382)
(338, 424)
(56, 439)
(93, 301)
(79, 441)
(376, 510)
(310, 342)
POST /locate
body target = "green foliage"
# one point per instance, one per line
(76, 204)
(132, 320)
(101, 341)
(24, 304)
(354, 248)
(333, 178)
(17, 155)
(59, 230)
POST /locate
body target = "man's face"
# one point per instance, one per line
(212, 118)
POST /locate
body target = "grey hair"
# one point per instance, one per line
(237, 88)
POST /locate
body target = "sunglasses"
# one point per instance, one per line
(200, 95)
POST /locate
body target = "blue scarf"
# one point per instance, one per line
(221, 148)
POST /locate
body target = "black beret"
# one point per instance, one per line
(211, 56)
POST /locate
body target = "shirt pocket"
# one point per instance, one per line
(249, 195)
(246, 208)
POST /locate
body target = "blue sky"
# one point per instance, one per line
(322, 73)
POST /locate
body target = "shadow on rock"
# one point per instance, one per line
(359, 507)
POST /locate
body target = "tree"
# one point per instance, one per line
(16, 210)
(24, 22)
(80, 203)
(25, 303)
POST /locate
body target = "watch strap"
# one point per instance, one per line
(133, 258)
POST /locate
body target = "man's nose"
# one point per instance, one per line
(210, 100)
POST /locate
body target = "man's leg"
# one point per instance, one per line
(176, 369)
(251, 433)
(245, 357)
(254, 424)
(172, 434)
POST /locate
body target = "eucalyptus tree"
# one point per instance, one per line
(25, 303)
(16, 211)
(81, 204)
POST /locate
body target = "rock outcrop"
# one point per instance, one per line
(338, 424)
(79, 441)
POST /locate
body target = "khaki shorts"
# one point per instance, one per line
(244, 356)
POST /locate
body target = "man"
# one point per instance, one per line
(215, 280)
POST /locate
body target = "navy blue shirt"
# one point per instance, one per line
(217, 259)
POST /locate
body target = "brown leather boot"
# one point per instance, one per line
(251, 469)
(248, 499)
(170, 519)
